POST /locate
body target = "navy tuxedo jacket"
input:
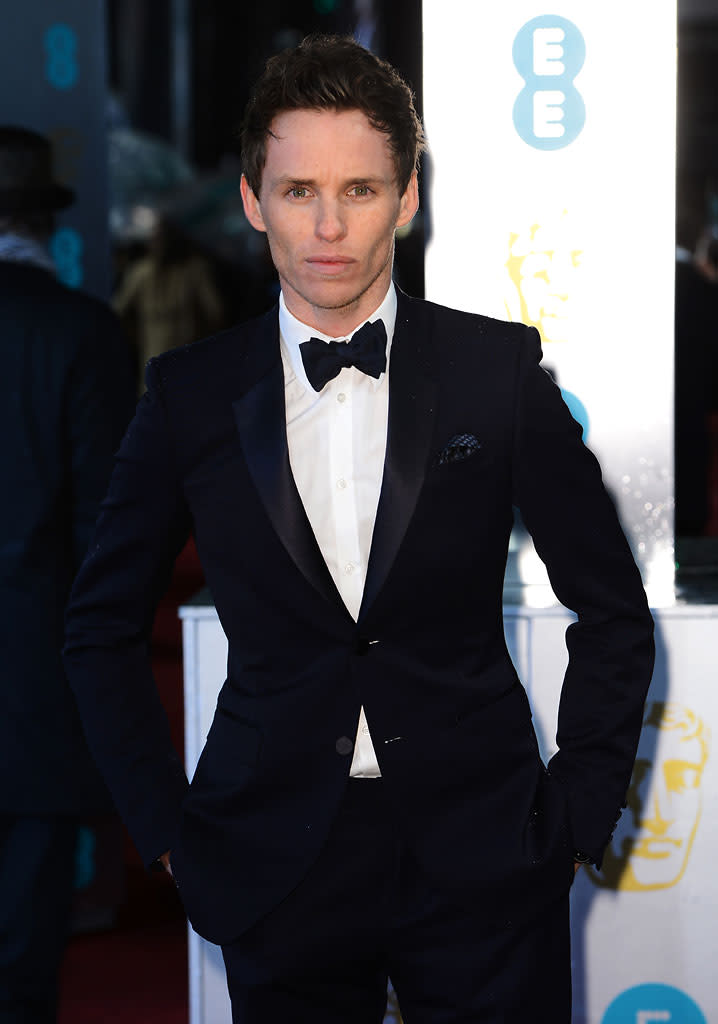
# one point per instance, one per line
(451, 724)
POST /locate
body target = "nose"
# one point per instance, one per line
(330, 225)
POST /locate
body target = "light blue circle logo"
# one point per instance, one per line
(653, 1004)
(578, 411)
(61, 67)
(549, 52)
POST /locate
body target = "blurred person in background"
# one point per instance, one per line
(168, 297)
(66, 396)
(696, 373)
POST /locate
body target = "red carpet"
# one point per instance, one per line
(137, 972)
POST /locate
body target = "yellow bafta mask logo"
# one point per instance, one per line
(542, 268)
(651, 846)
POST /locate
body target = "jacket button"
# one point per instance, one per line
(361, 646)
(344, 745)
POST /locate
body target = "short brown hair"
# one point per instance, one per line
(332, 73)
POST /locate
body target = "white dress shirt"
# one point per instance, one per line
(337, 442)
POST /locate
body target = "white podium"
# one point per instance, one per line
(644, 931)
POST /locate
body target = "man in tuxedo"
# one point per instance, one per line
(370, 801)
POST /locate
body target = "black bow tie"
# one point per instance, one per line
(366, 350)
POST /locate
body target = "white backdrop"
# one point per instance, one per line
(643, 931)
(552, 138)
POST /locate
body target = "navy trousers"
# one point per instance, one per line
(366, 912)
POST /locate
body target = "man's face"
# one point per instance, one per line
(330, 205)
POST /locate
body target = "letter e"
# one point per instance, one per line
(548, 113)
(548, 51)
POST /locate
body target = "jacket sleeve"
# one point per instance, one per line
(142, 526)
(575, 529)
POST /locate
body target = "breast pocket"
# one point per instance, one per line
(477, 477)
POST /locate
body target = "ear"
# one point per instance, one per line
(409, 202)
(252, 208)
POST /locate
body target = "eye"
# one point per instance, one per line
(298, 192)
(360, 191)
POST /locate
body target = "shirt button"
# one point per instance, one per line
(344, 746)
(349, 568)
(341, 483)
(341, 397)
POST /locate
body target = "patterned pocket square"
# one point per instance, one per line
(461, 447)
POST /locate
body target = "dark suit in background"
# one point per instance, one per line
(66, 394)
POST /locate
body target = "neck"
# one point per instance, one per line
(337, 324)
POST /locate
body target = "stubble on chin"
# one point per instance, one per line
(348, 306)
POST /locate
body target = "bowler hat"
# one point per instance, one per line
(26, 180)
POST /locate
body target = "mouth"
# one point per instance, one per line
(328, 264)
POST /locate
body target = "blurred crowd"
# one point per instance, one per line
(696, 365)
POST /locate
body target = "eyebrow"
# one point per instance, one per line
(288, 179)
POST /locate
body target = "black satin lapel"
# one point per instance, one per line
(261, 422)
(412, 401)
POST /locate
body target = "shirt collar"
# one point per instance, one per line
(293, 332)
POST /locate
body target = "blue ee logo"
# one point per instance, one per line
(649, 1004)
(549, 52)
(61, 68)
